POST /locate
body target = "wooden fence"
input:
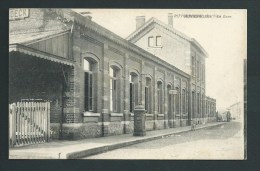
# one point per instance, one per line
(29, 123)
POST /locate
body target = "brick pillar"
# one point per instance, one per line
(180, 89)
(105, 94)
(165, 93)
(170, 115)
(126, 98)
(189, 101)
(72, 103)
(174, 104)
(155, 101)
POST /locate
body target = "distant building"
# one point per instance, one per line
(93, 78)
(236, 110)
(181, 51)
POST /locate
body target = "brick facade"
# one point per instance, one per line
(104, 50)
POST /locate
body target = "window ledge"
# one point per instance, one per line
(90, 114)
(116, 114)
(147, 114)
(160, 114)
(131, 114)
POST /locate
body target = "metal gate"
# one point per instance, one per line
(29, 123)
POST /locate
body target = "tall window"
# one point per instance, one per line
(202, 73)
(198, 70)
(206, 107)
(150, 41)
(198, 103)
(203, 105)
(159, 97)
(158, 41)
(88, 85)
(133, 92)
(187, 101)
(177, 101)
(193, 104)
(183, 101)
(169, 103)
(148, 95)
(193, 65)
(113, 73)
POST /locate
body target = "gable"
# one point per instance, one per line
(57, 45)
(153, 22)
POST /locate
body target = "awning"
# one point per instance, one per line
(21, 43)
(37, 53)
(27, 38)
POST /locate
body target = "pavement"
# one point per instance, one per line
(224, 142)
(65, 149)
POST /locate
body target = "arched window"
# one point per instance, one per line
(169, 102)
(159, 97)
(183, 101)
(203, 105)
(148, 95)
(114, 88)
(187, 101)
(88, 73)
(133, 92)
(177, 101)
(193, 104)
(198, 104)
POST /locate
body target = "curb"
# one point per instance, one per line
(98, 150)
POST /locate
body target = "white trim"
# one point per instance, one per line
(125, 122)
(91, 114)
(160, 114)
(116, 114)
(103, 123)
(147, 114)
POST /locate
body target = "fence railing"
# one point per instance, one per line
(29, 123)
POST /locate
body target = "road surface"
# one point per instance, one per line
(221, 142)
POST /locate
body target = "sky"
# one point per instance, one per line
(223, 36)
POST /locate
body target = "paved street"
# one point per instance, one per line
(221, 142)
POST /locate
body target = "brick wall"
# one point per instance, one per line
(39, 20)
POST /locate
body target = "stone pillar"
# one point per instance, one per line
(174, 106)
(139, 121)
(105, 94)
(180, 100)
(127, 117)
(155, 100)
(170, 115)
(165, 105)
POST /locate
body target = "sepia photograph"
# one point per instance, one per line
(128, 84)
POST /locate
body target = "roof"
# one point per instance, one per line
(20, 42)
(27, 38)
(86, 23)
(40, 54)
(167, 27)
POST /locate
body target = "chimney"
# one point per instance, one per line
(86, 14)
(140, 20)
(170, 19)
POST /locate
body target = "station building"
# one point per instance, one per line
(93, 78)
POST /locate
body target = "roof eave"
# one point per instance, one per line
(199, 47)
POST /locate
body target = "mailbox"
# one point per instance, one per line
(139, 121)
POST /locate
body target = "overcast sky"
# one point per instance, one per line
(223, 38)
